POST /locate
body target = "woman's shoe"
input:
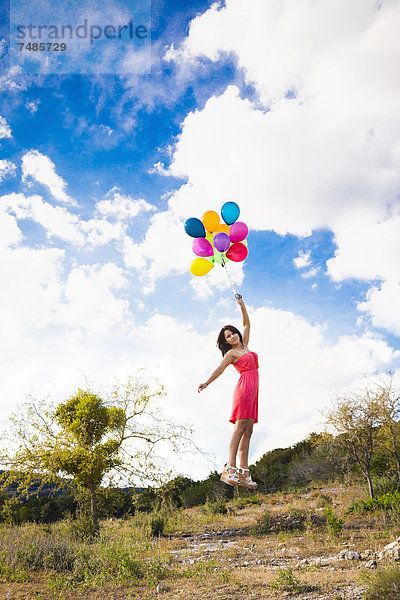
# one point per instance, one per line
(245, 479)
(229, 475)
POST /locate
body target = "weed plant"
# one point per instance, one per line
(334, 524)
(384, 584)
(286, 581)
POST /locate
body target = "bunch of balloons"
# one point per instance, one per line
(215, 241)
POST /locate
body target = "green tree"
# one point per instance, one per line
(388, 402)
(80, 441)
(355, 417)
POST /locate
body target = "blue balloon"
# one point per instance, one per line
(230, 212)
(195, 228)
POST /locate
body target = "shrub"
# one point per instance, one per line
(389, 502)
(216, 507)
(81, 528)
(384, 584)
(288, 582)
(385, 483)
(157, 525)
(334, 524)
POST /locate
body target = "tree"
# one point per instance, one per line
(355, 417)
(388, 402)
(77, 443)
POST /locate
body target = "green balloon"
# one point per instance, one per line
(220, 257)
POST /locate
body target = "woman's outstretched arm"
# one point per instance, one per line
(227, 360)
(246, 321)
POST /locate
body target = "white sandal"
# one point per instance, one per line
(246, 480)
(229, 475)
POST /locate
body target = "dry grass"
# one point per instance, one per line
(127, 563)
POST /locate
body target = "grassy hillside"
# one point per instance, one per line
(305, 545)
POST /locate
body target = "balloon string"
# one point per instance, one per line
(234, 290)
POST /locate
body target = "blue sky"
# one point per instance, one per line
(278, 108)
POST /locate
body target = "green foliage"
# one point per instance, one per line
(334, 524)
(171, 492)
(157, 525)
(386, 483)
(384, 584)
(387, 502)
(80, 441)
(241, 502)
(146, 500)
(39, 510)
(216, 506)
(287, 581)
(212, 487)
(81, 527)
(294, 520)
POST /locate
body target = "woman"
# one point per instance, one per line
(244, 414)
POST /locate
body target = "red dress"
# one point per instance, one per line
(245, 396)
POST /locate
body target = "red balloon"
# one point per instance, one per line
(237, 252)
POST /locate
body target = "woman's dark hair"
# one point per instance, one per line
(221, 341)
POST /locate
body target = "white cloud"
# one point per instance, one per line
(101, 232)
(33, 291)
(5, 130)
(10, 233)
(331, 50)
(91, 304)
(121, 206)
(60, 223)
(302, 260)
(56, 220)
(368, 247)
(382, 304)
(310, 273)
(6, 168)
(42, 169)
(32, 106)
(320, 147)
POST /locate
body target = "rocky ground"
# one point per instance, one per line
(243, 554)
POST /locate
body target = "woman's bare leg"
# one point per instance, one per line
(240, 440)
(244, 445)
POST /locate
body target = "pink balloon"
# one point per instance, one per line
(202, 247)
(237, 252)
(238, 232)
(221, 242)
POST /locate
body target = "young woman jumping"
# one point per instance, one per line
(245, 397)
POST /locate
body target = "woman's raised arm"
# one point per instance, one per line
(246, 321)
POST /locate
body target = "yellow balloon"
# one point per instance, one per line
(200, 266)
(210, 220)
(222, 228)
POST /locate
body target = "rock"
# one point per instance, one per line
(368, 555)
(371, 564)
(391, 550)
(390, 546)
(161, 588)
(349, 555)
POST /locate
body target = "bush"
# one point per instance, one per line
(81, 528)
(385, 484)
(216, 507)
(389, 502)
(157, 525)
(334, 524)
(384, 584)
(288, 582)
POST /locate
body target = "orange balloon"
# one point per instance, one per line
(222, 228)
(210, 220)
